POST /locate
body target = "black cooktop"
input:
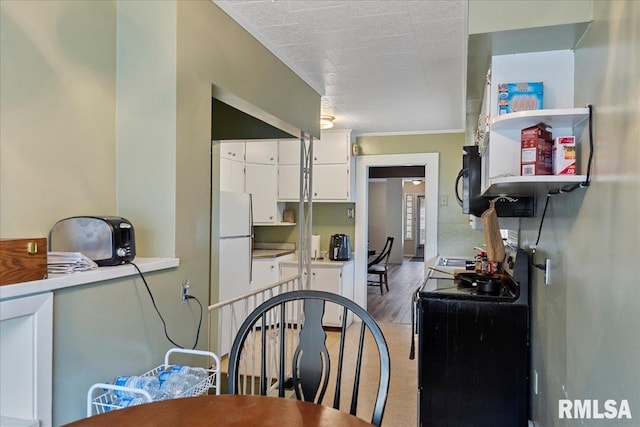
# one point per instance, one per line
(451, 288)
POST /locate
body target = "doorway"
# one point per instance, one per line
(430, 161)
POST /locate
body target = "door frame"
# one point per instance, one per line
(431, 162)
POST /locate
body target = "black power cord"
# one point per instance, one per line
(566, 189)
(164, 324)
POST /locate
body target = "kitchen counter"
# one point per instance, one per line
(325, 262)
(271, 253)
(61, 281)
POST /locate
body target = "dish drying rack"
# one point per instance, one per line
(104, 402)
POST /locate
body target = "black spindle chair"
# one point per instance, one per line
(379, 266)
(289, 357)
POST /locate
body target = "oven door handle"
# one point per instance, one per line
(414, 326)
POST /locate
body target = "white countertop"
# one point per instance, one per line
(61, 281)
(271, 253)
(325, 262)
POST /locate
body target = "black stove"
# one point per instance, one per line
(451, 288)
(473, 350)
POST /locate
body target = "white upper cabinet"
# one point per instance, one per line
(289, 152)
(333, 147)
(261, 182)
(333, 166)
(232, 150)
(231, 175)
(260, 151)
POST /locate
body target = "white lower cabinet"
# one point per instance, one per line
(26, 361)
(264, 272)
(329, 277)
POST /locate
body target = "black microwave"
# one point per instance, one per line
(473, 202)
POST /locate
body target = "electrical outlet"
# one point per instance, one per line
(184, 295)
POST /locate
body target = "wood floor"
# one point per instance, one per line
(395, 306)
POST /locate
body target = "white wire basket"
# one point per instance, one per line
(104, 401)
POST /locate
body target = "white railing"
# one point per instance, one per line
(231, 313)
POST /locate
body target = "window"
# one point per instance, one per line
(408, 216)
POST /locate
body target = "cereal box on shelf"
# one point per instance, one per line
(564, 155)
(536, 150)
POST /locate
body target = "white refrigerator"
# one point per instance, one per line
(235, 249)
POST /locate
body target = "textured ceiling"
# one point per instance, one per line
(381, 66)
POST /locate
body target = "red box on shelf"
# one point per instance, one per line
(536, 151)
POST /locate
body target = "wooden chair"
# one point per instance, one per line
(272, 355)
(379, 266)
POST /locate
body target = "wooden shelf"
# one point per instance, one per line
(555, 118)
(530, 185)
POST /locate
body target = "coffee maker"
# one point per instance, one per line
(339, 248)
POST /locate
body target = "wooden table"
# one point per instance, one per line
(225, 411)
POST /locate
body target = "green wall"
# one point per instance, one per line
(585, 335)
(72, 142)
(327, 219)
(455, 236)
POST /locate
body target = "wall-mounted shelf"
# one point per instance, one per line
(557, 118)
(505, 141)
(530, 185)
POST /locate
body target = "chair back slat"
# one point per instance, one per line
(311, 356)
(306, 364)
(356, 380)
(281, 371)
(263, 356)
(343, 332)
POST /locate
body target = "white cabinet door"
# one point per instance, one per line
(289, 152)
(333, 147)
(231, 176)
(265, 272)
(331, 182)
(26, 360)
(261, 151)
(261, 181)
(328, 280)
(288, 182)
(232, 150)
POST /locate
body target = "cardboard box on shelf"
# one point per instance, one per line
(564, 155)
(513, 97)
(536, 150)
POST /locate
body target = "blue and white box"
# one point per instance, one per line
(513, 97)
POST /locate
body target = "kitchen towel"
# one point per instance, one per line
(492, 236)
(315, 247)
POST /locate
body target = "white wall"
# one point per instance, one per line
(377, 214)
(394, 218)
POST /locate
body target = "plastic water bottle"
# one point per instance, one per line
(125, 402)
(149, 384)
(200, 373)
(175, 384)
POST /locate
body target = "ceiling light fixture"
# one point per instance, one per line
(417, 181)
(326, 122)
